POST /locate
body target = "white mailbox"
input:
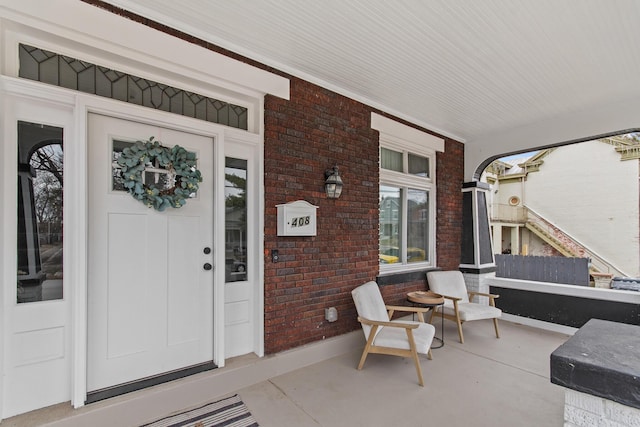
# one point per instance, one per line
(297, 219)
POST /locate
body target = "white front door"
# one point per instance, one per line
(150, 299)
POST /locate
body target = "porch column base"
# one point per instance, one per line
(586, 410)
(479, 282)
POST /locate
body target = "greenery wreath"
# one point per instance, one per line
(177, 165)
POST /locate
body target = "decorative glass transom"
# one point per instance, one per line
(49, 67)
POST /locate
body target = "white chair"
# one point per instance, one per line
(457, 305)
(405, 338)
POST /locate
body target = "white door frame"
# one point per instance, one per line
(116, 109)
(170, 341)
(222, 135)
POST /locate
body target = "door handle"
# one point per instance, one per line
(207, 266)
(207, 250)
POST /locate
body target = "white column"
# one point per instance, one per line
(497, 238)
(515, 240)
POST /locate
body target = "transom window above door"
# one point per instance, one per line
(72, 73)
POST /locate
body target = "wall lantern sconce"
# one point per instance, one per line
(333, 183)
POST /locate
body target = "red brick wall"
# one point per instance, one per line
(304, 136)
(313, 131)
(396, 294)
(449, 179)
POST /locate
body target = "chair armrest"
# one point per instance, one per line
(482, 294)
(391, 324)
(492, 297)
(408, 308)
(451, 298)
(391, 309)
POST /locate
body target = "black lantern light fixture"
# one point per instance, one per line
(333, 183)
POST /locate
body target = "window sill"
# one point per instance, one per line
(392, 277)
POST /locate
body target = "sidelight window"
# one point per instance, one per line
(235, 192)
(40, 219)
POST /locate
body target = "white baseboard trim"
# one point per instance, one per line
(539, 324)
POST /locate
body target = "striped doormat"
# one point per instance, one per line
(229, 412)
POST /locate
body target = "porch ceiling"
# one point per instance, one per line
(468, 69)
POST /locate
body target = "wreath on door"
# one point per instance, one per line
(172, 172)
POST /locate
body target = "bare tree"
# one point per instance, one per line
(49, 159)
(48, 188)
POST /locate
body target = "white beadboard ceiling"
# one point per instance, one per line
(464, 68)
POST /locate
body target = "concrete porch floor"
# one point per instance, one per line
(484, 382)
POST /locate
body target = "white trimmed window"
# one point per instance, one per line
(407, 195)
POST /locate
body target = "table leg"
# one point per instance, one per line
(441, 339)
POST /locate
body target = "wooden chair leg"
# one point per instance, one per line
(460, 334)
(429, 355)
(365, 352)
(418, 368)
(458, 321)
(414, 355)
(495, 325)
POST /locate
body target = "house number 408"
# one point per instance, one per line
(300, 221)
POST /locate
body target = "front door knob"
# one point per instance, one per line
(207, 266)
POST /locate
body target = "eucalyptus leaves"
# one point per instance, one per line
(172, 171)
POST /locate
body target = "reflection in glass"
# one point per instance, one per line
(391, 160)
(235, 193)
(116, 171)
(390, 214)
(40, 196)
(417, 225)
(418, 165)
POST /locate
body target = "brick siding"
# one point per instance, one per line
(304, 136)
(313, 131)
(450, 177)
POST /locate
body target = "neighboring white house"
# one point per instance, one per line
(575, 200)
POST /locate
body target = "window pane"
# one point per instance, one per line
(235, 193)
(117, 183)
(391, 160)
(390, 223)
(419, 165)
(417, 225)
(40, 195)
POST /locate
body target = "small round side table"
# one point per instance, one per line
(431, 300)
